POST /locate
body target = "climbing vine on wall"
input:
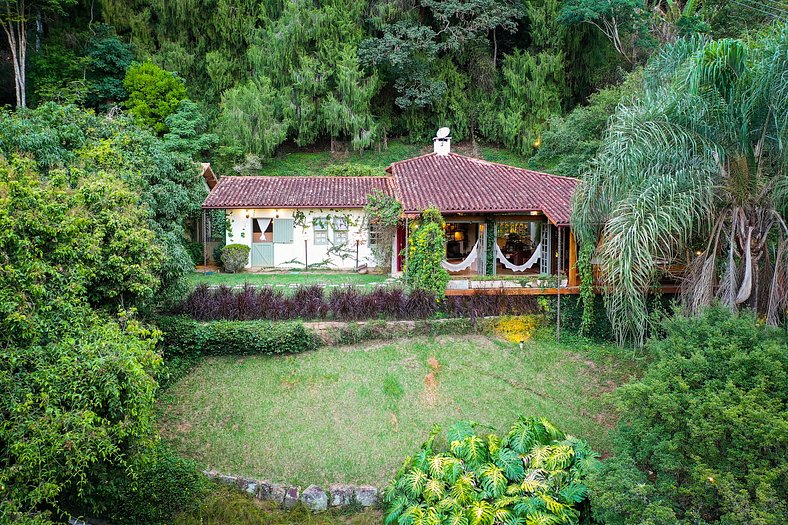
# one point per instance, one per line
(586, 273)
(425, 252)
(490, 228)
(383, 213)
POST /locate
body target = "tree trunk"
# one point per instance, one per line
(15, 32)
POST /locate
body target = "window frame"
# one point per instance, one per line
(320, 226)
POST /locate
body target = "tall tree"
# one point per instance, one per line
(14, 18)
(693, 172)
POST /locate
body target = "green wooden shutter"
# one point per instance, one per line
(283, 231)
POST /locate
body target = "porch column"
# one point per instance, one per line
(573, 273)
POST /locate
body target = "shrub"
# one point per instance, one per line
(235, 257)
(518, 328)
(154, 94)
(160, 485)
(535, 474)
(351, 170)
(702, 438)
(186, 337)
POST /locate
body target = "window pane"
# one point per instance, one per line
(320, 223)
(340, 223)
(321, 237)
(340, 237)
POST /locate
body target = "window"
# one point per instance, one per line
(320, 224)
(339, 224)
(375, 237)
(262, 230)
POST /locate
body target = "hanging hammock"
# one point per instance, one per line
(465, 264)
(535, 257)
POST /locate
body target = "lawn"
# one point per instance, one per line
(285, 278)
(316, 162)
(352, 414)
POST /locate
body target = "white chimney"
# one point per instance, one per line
(442, 142)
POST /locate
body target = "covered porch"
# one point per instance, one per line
(508, 245)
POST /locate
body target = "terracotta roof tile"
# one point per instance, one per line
(458, 184)
(295, 192)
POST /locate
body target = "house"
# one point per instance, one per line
(499, 219)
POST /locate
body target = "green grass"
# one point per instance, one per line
(315, 162)
(353, 414)
(230, 507)
(285, 278)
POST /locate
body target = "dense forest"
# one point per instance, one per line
(672, 113)
(268, 75)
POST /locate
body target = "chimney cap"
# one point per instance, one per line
(443, 133)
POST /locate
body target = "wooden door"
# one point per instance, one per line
(263, 254)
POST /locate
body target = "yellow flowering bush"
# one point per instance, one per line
(516, 328)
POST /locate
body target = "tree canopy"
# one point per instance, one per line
(693, 172)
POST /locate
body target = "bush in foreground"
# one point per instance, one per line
(185, 337)
(235, 257)
(161, 485)
(703, 437)
(535, 474)
(344, 304)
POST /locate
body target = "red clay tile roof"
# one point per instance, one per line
(458, 184)
(295, 192)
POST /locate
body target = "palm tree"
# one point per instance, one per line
(692, 173)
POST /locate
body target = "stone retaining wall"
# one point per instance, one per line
(313, 497)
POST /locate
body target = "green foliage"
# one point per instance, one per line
(58, 74)
(570, 142)
(352, 170)
(226, 506)
(254, 117)
(110, 57)
(185, 337)
(426, 251)
(585, 271)
(383, 212)
(167, 184)
(235, 257)
(687, 174)
(160, 485)
(534, 474)
(188, 133)
(62, 244)
(154, 94)
(702, 437)
(77, 399)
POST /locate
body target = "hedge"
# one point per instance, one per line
(185, 337)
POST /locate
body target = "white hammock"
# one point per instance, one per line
(535, 257)
(465, 264)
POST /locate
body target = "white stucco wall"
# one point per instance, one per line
(292, 255)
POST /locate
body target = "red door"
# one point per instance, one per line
(400, 246)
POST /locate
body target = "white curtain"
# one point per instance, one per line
(465, 264)
(263, 224)
(515, 268)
